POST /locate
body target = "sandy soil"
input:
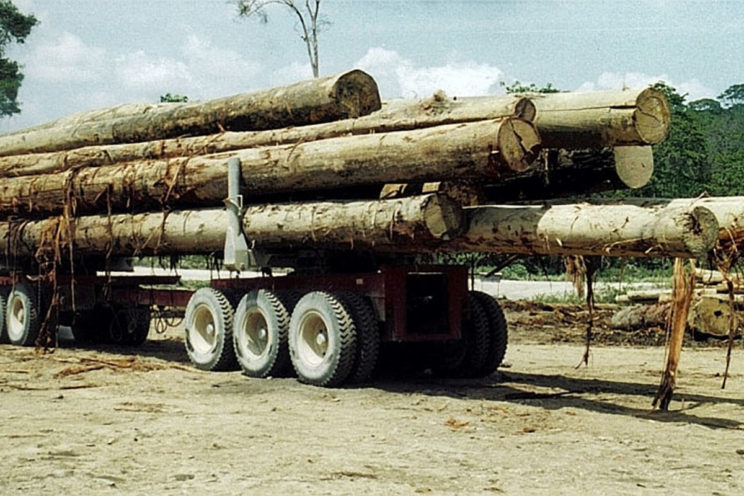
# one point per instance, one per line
(105, 421)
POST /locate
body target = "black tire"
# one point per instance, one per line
(498, 330)
(89, 326)
(367, 336)
(22, 315)
(128, 326)
(260, 327)
(208, 323)
(322, 339)
(467, 357)
(3, 335)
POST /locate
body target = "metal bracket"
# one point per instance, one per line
(237, 255)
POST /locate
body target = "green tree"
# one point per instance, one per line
(14, 27)
(173, 98)
(307, 16)
(734, 95)
(517, 87)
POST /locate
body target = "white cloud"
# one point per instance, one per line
(66, 59)
(216, 71)
(693, 88)
(399, 77)
(139, 71)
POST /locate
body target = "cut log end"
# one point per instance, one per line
(356, 93)
(519, 144)
(634, 165)
(702, 231)
(652, 116)
(525, 109)
(444, 219)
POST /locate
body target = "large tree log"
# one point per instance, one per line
(349, 94)
(396, 115)
(483, 149)
(618, 230)
(561, 173)
(384, 225)
(601, 118)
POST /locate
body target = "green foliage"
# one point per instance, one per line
(517, 87)
(173, 98)
(733, 95)
(14, 27)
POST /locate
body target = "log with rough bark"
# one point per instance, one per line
(384, 225)
(396, 115)
(601, 118)
(560, 173)
(478, 150)
(349, 94)
(619, 230)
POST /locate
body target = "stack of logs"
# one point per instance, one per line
(326, 164)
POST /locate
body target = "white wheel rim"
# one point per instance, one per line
(17, 313)
(312, 338)
(253, 335)
(203, 329)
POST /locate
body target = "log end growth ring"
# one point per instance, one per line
(357, 94)
(702, 232)
(519, 143)
(652, 116)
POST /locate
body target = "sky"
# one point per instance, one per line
(88, 54)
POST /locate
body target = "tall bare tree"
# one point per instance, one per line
(306, 12)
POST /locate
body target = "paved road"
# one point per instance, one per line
(510, 289)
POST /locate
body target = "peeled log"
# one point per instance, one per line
(483, 149)
(586, 229)
(601, 118)
(561, 173)
(381, 224)
(396, 115)
(349, 94)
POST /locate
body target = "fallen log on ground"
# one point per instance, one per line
(383, 225)
(349, 94)
(476, 150)
(400, 115)
(601, 118)
(619, 230)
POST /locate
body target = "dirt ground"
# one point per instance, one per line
(109, 421)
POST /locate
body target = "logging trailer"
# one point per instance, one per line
(329, 326)
(345, 190)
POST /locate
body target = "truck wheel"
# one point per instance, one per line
(322, 339)
(129, 326)
(208, 321)
(498, 331)
(367, 335)
(3, 334)
(260, 329)
(22, 322)
(88, 326)
(467, 357)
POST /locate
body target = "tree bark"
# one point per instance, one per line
(396, 115)
(484, 150)
(584, 229)
(350, 94)
(602, 118)
(384, 225)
